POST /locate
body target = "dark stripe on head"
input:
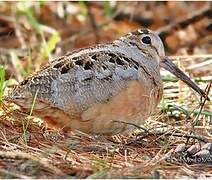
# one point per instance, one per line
(140, 31)
(144, 31)
(136, 33)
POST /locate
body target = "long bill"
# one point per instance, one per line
(171, 67)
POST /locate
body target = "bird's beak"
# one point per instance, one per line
(167, 64)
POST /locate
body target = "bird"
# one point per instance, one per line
(100, 89)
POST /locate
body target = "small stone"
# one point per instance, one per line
(180, 148)
(207, 146)
(193, 149)
(203, 154)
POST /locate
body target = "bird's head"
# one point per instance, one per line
(151, 45)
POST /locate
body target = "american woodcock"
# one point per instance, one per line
(96, 89)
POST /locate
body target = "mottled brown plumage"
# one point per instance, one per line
(95, 89)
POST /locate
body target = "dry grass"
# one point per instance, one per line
(30, 150)
(41, 153)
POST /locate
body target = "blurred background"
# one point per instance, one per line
(34, 33)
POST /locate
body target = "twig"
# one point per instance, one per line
(8, 28)
(200, 138)
(5, 174)
(198, 15)
(202, 104)
(93, 24)
(191, 56)
(149, 133)
(132, 124)
(135, 18)
(207, 62)
(26, 156)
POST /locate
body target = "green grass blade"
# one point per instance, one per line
(25, 127)
(2, 82)
(51, 45)
(108, 10)
(34, 23)
(83, 8)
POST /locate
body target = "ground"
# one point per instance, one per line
(31, 33)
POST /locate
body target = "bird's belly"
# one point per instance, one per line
(133, 105)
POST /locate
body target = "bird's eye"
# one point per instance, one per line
(146, 40)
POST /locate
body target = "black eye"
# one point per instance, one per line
(146, 40)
